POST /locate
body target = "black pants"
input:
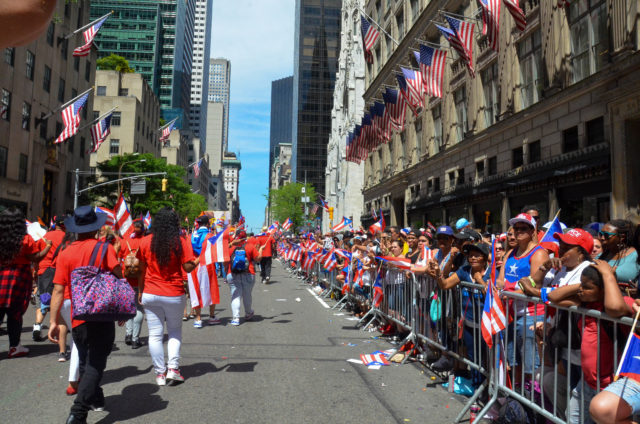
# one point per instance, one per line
(94, 341)
(265, 267)
(14, 325)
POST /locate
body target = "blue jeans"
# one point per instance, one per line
(576, 403)
(525, 338)
(241, 285)
(134, 325)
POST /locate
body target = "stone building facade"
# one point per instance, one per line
(344, 179)
(547, 121)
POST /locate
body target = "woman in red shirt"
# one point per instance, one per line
(163, 256)
(17, 251)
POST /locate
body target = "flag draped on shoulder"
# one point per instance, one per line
(217, 249)
(369, 37)
(494, 314)
(71, 118)
(203, 281)
(89, 35)
(124, 222)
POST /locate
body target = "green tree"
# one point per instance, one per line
(286, 202)
(178, 194)
(113, 62)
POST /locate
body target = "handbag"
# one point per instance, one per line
(98, 295)
(435, 309)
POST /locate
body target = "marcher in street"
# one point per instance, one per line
(265, 252)
(130, 246)
(241, 276)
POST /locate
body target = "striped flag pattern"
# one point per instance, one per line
(196, 168)
(395, 105)
(346, 222)
(166, 131)
(369, 37)
(99, 133)
(415, 88)
(71, 118)
(111, 219)
(124, 222)
(494, 316)
(432, 63)
(491, 21)
(402, 263)
(89, 35)
(518, 14)
(287, 224)
(460, 36)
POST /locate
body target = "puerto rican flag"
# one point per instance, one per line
(287, 224)
(272, 229)
(359, 274)
(124, 222)
(203, 281)
(494, 316)
(324, 204)
(217, 249)
(375, 358)
(89, 35)
(378, 292)
(346, 222)
(147, 220)
(402, 263)
(111, 219)
(379, 226)
(343, 254)
(426, 255)
(240, 225)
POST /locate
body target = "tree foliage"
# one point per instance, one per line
(286, 202)
(113, 62)
(177, 196)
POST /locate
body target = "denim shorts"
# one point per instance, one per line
(628, 390)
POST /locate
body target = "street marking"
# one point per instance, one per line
(322, 302)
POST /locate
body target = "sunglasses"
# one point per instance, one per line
(606, 234)
(522, 229)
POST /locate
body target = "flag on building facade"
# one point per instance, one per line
(196, 168)
(491, 21)
(518, 13)
(404, 93)
(89, 35)
(395, 105)
(415, 88)
(71, 118)
(432, 63)
(369, 37)
(166, 130)
(99, 132)
(460, 37)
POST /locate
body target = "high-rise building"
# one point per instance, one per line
(317, 43)
(36, 79)
(200, 68)
(281, 108)
(231, 171)
(220, 91)
(156, 37)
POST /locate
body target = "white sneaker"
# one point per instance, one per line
(174, 374)
(18, 351)
(161, 380)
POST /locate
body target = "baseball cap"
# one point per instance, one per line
(445, 230)
(576, 237)
(524, 218)
(483, 248)
(461, 223)
(468, 234)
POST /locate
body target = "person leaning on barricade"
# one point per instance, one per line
(620, 244)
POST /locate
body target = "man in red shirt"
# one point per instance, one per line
(241, 275)
(93, 339)
(265, 252)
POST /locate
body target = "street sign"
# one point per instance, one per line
(304, 189)
(139, 186)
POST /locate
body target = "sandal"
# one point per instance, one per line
(185, 318)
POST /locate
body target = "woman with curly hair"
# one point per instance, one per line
(163, 256)
(619, 240)
(17, 251)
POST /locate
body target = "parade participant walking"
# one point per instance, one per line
(129, 247)
(93, 339)
(241, 276)
(265, 252)
(164, 255)
(17, 251)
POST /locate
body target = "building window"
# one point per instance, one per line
(535, 154)
(124, 92)
(101, 90)
(460, 99)
(115, 119)
(493, 165)
(403, 148)
(30, 63)
(9, 55)
(22, 170)
(400, 24)
(589, 37)
(5, 105)
(114, 146)
(480, 169)
(570, 140)
(460, 176)
(3, 162)
(76, 63)
(61, 90)
(531, 70)
(415, 9)
(50, 33)
(64, 48)
(87, 71)
(83, 145)
(436, 184)
(71, 144)
(43, 129)
(517, 157)
(451, 179)
(490, 87)
(46, 79)
(96, 114)
(437, 129)
(595, 131)
(26, 115)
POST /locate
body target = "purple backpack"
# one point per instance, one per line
(98, 295)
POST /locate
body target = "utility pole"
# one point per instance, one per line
(75, 192)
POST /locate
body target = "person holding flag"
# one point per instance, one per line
(198, 238)
(265, 245)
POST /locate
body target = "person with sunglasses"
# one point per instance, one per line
(619, 240)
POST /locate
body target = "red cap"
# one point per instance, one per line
(576, 237)
(241, 234)
(523, 217)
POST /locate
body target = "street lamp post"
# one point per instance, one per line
(120, 171)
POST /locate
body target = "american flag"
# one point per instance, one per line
(368, 139)
(518, 13)
(369, 37)
(432, 63)
(415, 87)
(348, 147)
(460, 36)
(324, 204)
(382, 121)
(166, 131)
(355, 144)
(196, 168)
(240, 225)
(404, 93)
(71, 118)
(89, 35)
(494, 316)
(287, 224)
(314, 209)
(491, 21)
(99, 133)
(395, 105)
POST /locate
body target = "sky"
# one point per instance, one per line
(257, 36)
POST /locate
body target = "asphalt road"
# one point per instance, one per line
(289, 365)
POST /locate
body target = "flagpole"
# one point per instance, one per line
(167, 124)
(547, 232)
(50, 114)
(97, 119)
(86, 26)
(626, 346)
(462, 17)
(378, 25)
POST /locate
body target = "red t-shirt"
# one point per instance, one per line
(164, 280)
(56, 237)
(266, 241)
(589, 351)
(125, 245)
(74, 256)
(29, 247)
(252, 253)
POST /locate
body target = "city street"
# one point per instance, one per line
(287, 366)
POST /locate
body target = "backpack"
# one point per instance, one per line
(98, 295)
(239, 259)
(131, 263)
(512, 412)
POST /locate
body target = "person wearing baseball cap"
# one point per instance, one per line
(462, 223)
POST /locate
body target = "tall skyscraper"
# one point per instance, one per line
(200, 68)
(317, 44)
(219, 91)
(281, 109)
(156, 37)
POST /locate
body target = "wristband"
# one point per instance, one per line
(544, 293)
(532, 281)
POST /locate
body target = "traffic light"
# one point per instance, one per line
(331, 213)
(164, 184)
